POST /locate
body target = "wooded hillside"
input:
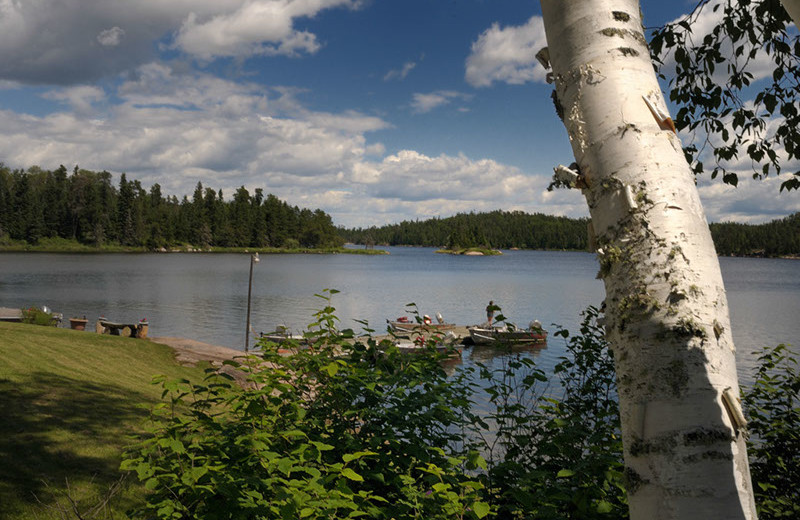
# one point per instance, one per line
(505, 230)
(497, 229)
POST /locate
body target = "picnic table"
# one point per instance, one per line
(126, 329)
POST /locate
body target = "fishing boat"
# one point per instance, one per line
(509, 335)
(404, 324)
(285, 340)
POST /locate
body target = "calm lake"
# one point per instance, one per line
(204, 296)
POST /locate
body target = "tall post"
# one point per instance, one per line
(253, 260)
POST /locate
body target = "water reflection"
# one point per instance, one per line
(486, 354)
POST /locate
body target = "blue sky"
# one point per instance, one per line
(375, 111)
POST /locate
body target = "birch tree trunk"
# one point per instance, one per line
(666, 309)
(793, 8)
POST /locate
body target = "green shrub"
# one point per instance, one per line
(345, 428)
(36, 316)
(558, 452)
(772, 405)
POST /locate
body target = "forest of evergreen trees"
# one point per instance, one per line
(497, 229)
(87, 207)
(776, 238)
(505, 230)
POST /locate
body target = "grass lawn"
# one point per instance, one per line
(69, 403)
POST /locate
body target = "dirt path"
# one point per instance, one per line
(189, 351)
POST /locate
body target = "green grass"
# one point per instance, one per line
(70, 401)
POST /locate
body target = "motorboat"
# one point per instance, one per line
(508, 335)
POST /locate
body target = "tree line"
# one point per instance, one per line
(516, 229)
(87, 207)
(779, 237)
(497, 229)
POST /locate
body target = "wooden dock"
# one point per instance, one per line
(7, 314)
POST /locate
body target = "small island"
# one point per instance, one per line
(471, 251)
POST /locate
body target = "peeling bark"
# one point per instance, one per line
(666, 309)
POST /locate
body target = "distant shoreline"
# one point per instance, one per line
(91, 250)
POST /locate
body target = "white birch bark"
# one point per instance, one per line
(793, 8)
(666, 309)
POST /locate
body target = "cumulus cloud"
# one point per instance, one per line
(507, 54)
(423, 103)
(256, 27)
(752, 201)
(81, 99)
(177, 129)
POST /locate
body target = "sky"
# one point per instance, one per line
(375, 111)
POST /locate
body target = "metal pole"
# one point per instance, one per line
(253, 259)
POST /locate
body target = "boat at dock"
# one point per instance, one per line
(508, 335)
(287, 341)
(425, 323)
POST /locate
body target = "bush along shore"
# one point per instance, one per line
(345, 427)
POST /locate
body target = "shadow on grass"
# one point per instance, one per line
(55, 428)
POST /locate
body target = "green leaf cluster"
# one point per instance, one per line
(343, 428)
(772, 405)
(725, 103)
(557, 451)
(36, 316)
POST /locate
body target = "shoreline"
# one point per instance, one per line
(190, 351)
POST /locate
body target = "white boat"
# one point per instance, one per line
(488, 335)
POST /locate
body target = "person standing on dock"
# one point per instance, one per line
(490, 312)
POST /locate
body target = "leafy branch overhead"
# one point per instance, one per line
(736, 85)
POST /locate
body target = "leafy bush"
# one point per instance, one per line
(342, 429)
(37, 316)
(557, 457)
(773, 408)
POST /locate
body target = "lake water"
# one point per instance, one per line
(204, 296)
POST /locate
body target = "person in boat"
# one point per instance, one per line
(490, 312)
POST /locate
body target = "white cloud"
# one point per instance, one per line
(400, 74)
(81, 99)
(507, 54)
(423, 103)
(255, 27)
(110, 37)
(178, 129)
(753, 201)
